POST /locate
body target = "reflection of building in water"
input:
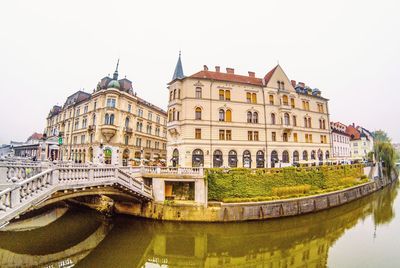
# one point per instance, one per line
(280, 243)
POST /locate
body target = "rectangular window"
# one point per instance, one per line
(197, 134)
(140, 112)
(273, 136)
(83, 139)
(85, 109)
(248, 97)
(95, 105)
(228, 135)
(292, 103)
(149, 116)
(306, 137)
(126, 140)
(75, 139)
(222, 134)
(221, 94)
(295, 138)
(256, 135)
(310, 138)
(227, 95)
(111, 103)
(198, 92)
(285, 137)
(322, 138)
(253, 98)
(250, 135)
(158, 119)
(129, 107)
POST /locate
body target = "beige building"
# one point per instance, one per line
(222, 119)
(112, 125)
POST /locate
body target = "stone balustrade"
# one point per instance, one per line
(11, 172)
(5, 199)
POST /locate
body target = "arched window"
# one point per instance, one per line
(111, 119)
(312, 155)
(94, 120)
(260, 160)
(305, 122)
(296, 157)
(107, 119)
(287, 119)
(198, 113)
(292, 103)
(327, 155)
(320, 155)
(274, 158)
(323, 124)
(294, 120)
(273, 119)
(174, 93)
(249, 117)
(170, 95)
(228, 115)
(309, 122)
(254, 98)
(198, 93)
(247, 159)
(232, 158)
(170, 116)
(197, 158)
(173, 114)
(127, 122)
(305, 155)
(255, 117)
(175, 158)
(271, 99)
(217, 158)
(179, 93)
(285, 100)
(221, 115)
(285, 157)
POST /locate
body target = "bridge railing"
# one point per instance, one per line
(11, 172)
(172, 171)
(5, 199)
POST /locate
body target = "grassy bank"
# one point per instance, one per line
(246, 185)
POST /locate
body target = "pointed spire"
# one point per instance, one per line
(178, 74)
(115, 75)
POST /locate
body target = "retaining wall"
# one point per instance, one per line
(225, 212)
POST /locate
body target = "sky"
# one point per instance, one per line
(350, 50)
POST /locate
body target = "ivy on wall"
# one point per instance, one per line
(240, 183)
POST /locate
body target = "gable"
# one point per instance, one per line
(275, 75)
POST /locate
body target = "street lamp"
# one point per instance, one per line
(43, 147)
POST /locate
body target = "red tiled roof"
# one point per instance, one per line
(35, 136)
(228, 77)
(269, 75)
(353, 132)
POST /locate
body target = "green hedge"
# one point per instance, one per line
(240, 183)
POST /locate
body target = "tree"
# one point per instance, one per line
(384, 151)
(380, 136)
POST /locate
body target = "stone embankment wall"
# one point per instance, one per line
(225, 212)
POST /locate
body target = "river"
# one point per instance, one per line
(364, 233)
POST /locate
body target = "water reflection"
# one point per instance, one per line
(291, 242)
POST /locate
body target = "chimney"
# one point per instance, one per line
(293, 83)
(230, 70)
(252, 74)
(217, 69)
(205, 68)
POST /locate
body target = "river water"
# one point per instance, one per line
(364, 233)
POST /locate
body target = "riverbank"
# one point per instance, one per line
(230, 212)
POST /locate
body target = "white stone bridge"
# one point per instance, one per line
(25, 186)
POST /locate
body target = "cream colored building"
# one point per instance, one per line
(218, 118)
(112, 125)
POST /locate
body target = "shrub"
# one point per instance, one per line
(291, 190)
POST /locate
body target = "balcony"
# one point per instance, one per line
(128, 130)
(108, 131)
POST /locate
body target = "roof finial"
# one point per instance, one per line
(115, 76)
(179, 53)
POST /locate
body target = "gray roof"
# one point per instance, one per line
(178, 74)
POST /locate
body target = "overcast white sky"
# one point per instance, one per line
(350, 50)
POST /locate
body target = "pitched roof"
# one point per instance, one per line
(229, 77)
(35, 136)
(268, 76)
(353, 132)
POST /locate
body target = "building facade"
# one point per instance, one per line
(361, 142)
(221, 119)
(340, 141)
(111, 126)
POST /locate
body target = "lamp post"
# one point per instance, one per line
(43, 147)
